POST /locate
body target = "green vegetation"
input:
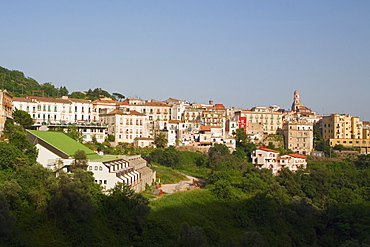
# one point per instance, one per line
(325, 205)
(194, 164)
(328, 204)
(20, 86)
(168, 175)
(22, 118)
(160, 140)
(64, 143)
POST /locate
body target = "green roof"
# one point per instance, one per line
(69, 146)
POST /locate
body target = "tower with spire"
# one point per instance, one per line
(297, 103)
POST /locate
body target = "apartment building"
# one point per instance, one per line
(49, 110)
(271, 159)
(298, 136)
(267, 119)
(102, 105)
(341, 126)
(266, 158)
(46, 110)
(346, 130)
(126, 126)
(56, 151)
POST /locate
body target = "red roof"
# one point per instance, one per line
(298, 156)
(268, 150)
(220, 106)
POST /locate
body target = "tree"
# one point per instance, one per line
(63, 91)
(9, 155)
(6, 220)
(168, 157)
(18, 137)
(78, 95)
(363, 161)
(191, 236)
(119, 96)
(97, 93)
(23, 118)
(49, 89)
(241, 137)
(80, 160)
(252, 239)
(74, 133)
(160, 141)
(218, 152)
(72, 208)
(73, 196)
(129, 207)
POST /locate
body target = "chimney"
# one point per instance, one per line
(211, 102)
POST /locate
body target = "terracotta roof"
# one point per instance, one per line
(173, 121)
(137, 113)
(115, 112)
(123, 103)
(50, 100)
(79, 100)
(298, 156)
(119, 112)
(21, 99)
(105, 101)
(157, 103)
(220, 106)
(268, 150)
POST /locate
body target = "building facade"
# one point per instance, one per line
(5, 107)
(298, 137)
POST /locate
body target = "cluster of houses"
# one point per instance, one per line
(191, 125)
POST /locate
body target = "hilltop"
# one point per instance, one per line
(19, 85)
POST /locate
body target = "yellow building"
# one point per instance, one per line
(346, 130)
(341, 126)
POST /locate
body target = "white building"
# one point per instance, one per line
(271, 159)
(125, 126)
(56, 150)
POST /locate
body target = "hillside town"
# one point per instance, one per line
(188, 126)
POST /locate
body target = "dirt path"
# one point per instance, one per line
(184, 185)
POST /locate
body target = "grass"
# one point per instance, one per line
(68, 145)
(168, 175)
(189, 167)
(198, 208)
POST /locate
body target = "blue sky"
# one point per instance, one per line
(239, 53)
